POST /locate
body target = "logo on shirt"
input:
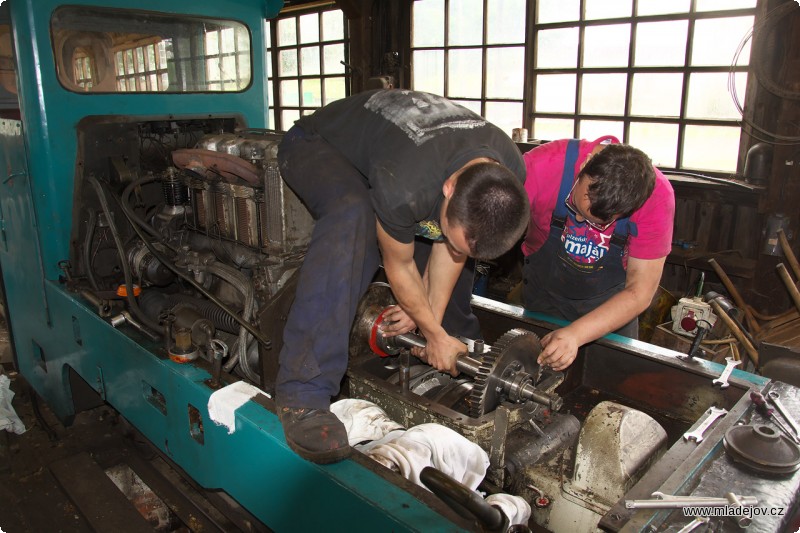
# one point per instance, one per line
(422, 116)
(582, 244)
(429, 229)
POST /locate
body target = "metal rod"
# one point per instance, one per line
(678, 502)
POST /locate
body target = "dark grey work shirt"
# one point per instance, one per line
(406, 144)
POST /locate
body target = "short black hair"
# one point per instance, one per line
(491, 205)
(622, 179)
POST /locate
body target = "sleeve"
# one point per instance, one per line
(654, 223)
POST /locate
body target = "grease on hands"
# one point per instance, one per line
(442, 355)
(559, 349)
(396, 321)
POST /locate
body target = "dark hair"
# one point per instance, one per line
(622, 179)
(491, 205)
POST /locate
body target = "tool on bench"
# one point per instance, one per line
(767, 412)
(710, 417)
(722, 380)
(668, 501)
(775, 398)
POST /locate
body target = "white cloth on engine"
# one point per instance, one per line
(223, 403)
(437, 446)
(9, 420)
(515, 508)
(363, 420)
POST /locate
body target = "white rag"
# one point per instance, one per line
(372, 432)
(515, 508)
(223, 403)
(437, 446)
(8, 417)
(363, 420)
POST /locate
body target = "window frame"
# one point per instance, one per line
(277, 107)
(627, 118)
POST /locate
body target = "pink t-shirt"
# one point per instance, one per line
(545, 164)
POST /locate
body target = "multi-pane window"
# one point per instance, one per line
(142, 68)
(308, 51)
(656, 74)
(227, 52)
(83, 72)
(472, 51)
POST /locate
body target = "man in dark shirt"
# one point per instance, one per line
(383, 172)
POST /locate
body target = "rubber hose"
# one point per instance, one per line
(126, 271)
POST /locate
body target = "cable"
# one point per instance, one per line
(87, 244)
(771, 18)
(713, 179)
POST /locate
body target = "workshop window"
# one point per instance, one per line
(142, 68)
(661, 76)
(83, 72)
(473, 52)
(308, 51)
(227, 55)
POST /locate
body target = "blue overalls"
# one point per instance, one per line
(557, 285)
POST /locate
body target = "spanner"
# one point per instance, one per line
(775, 398)
(711, 415)
(694, 524)
(722, 380)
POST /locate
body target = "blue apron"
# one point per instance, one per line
(556, 284)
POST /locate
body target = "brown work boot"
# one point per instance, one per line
(315, 434)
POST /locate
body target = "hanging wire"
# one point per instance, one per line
(773, 16)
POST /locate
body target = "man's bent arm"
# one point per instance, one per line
(642, 279)
(442, 272)
(408, 288)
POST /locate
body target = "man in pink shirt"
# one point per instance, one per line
(600, 231)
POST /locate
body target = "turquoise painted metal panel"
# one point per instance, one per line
(51, 111)
(55, 331)
(253, 464)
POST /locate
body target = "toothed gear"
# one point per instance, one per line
(516, 351)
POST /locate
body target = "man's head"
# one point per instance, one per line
(621, 179)
(490, 205)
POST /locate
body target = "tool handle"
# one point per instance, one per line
(761, 403)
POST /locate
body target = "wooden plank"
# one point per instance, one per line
(100, 502)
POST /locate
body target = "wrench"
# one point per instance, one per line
(694, 524)
(722, 380)
(776, 401)
(125, 316)
(710, 416)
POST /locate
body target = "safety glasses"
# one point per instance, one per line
(574, 210)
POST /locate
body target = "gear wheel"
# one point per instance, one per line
(516, 351)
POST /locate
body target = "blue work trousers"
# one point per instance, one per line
(340, 263)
